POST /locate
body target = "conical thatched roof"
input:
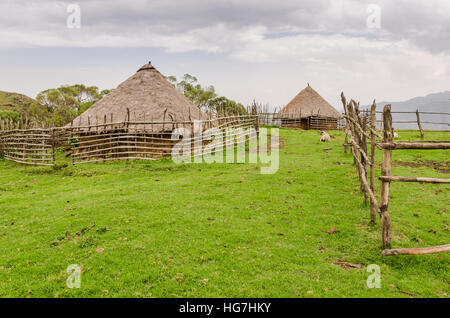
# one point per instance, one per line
(308, 102)
(148, 95)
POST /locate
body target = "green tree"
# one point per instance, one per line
(205, 97)
(59, 106)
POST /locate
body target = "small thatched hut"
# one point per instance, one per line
(308, 110)
(145, 96)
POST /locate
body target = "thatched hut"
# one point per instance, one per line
(145, 97)
(135, 120)
(309, 110)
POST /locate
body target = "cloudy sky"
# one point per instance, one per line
(254, 49)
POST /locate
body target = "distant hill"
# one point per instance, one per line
(14, 100)
(437, 102)
(12, 105)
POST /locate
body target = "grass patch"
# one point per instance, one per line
(157, 229)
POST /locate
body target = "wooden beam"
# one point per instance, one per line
(420, 126)
(385, 218)
(414, 145)
(344, 102)
(413, 179)
(373, 126)
(417, 251)
(430, 141)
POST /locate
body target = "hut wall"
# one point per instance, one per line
(294, 123)
(322, 123)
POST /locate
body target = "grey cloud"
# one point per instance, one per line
(426, 24)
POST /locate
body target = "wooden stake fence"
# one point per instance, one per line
(388, 146)
(112, 141)
(358, 129)
(386, 165)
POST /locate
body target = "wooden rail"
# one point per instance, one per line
(115, 140)
(414, 145)
(413, 179)
(361, 126)
(388, 146)
(417, 251)
(133, 141)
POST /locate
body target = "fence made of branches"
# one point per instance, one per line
(416, 120)
(139, 141)
(127, 140)
(360, 130)
(29, 146)
(301, 120)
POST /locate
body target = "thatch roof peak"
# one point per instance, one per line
(308, 102)
(147, 66)
(148, 96)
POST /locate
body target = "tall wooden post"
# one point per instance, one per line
(420, 126)
(354, 138)
(346, 136)
(128, 118)
(164, 120)
(104, 146)
(72, 147)
(360, 142)
(127, 139)
(53, 145)
(385, 185)
(347, 122)
(363, 139)
(373, 125)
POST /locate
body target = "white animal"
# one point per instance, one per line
(396, 135)
(325, 137)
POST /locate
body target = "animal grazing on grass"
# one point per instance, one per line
(325, 137)
(396, 135)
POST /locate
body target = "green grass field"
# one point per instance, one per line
(157, 229)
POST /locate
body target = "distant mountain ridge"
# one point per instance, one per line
(436, 102)
(14, 105)
(12, 100)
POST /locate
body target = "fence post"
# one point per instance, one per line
(128, 139)
(164, 120)
(72, 150)
(257, 125)
(363, 139)
(420, 126)
(1, 137)
(53, 145)
(344, 102)
(355, 139)
(385, 185)
(373, 126)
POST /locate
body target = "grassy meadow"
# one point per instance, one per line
(158, 229)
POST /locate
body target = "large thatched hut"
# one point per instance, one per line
(309, 110)
(145, 96)
(134, 121)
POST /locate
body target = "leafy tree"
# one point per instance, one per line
(172, 79)
(205, 97)
(9, 114)
(59, 106)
